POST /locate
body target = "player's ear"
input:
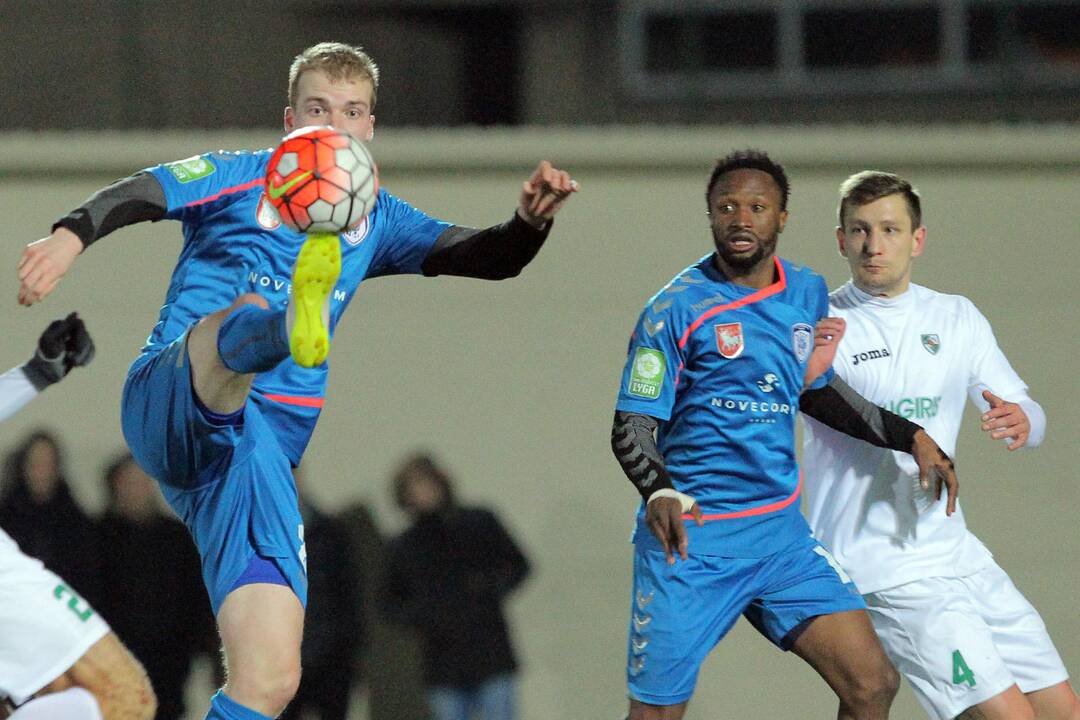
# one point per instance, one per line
(290, 120)
(783, 221)
(841, 241)
(919, 237)
(370, 129)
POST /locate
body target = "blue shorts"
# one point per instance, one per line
(230, 482)
(678, 613)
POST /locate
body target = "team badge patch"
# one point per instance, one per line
(266, 215)
(191, 169)
(647, 373)
(729, 340)
(358, 233)
(802, 340)
(932, 343)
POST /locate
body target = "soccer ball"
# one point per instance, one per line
(321, 180)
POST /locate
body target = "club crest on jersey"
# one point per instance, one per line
(358, 233)
(266, 215)
(729, 340)
(802, 340)
(932, 343)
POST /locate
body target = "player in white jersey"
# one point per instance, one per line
(58, 658)
(952, 622)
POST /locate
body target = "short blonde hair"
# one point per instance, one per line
(339, 61)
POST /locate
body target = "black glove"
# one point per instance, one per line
(64, 344)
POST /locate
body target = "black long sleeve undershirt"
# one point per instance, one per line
(838, 406)
(634, 446)
(134, 199)
(493, 253)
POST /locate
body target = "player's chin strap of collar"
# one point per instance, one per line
(684, 499)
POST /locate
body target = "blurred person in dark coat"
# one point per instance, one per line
(151, 590)
(448, 575)
(39, 512)
(334, 631)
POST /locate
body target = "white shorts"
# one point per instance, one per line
(961, 641)
(44, 626)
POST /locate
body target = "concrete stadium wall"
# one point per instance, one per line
(512, 383)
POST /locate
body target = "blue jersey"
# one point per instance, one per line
(234, 243)
(722, 366)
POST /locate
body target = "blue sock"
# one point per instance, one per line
(223, 707)
(253, 340)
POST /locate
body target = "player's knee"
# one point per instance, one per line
(269, 690)
(874, 687)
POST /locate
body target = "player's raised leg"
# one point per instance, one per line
(228, 347)
(846, 652)
(261, 628)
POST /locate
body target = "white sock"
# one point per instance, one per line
(72, 704)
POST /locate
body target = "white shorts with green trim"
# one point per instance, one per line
(961, 641)
(45, 626)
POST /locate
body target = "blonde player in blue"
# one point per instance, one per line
(215, 408)
(720, 363)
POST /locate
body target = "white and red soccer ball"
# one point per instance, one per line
(321, 180)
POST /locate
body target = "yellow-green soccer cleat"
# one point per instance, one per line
(314, 276)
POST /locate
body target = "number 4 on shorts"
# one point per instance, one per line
(961, 673)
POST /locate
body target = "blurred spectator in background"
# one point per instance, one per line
(447, 576)
(151, 590)
(39, 513)
(334, 630)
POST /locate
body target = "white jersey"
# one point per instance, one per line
(919, 355)
(45, 625)
(15, 391)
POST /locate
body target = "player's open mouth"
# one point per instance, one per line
(741, 243)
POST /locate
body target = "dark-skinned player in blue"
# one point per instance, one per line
(215, 407)
(721, 361)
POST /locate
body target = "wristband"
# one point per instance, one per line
(685, 500)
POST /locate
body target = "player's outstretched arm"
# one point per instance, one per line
(838, 406)
(634, 446)
(502, 251)
(45, 262)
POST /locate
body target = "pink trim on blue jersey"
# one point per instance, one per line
(769, 290)
(759, 510)
(315, 402)
(761, 294)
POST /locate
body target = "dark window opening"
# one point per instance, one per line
(872, 38)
